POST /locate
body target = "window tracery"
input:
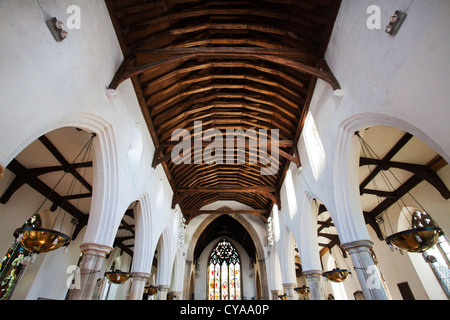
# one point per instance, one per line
(224, 273)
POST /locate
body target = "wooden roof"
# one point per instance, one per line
(232, 65)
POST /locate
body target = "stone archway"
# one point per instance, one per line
(259, 248)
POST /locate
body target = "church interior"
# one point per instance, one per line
(224, 150)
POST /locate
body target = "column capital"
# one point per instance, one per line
(176, 295)
(357, 244)
(141, 275)
(289, 284)
(95, 249)
(164, 287)
(312, 273)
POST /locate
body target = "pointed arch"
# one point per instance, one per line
(224, 272)
(165, 264)
(143, 255)
(287, 262)
(349, 219)
(100, 228)
(260, 253)
(308, 250)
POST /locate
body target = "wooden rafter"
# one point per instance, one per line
(34, 182)
(129, 67)
(232, 65)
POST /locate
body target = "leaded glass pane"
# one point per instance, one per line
(237, 273)
(232, 280)
(224, 273)
(211, 272)
(217, 282)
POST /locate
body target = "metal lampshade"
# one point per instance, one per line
(39, 240)
(118, 277)
(336, 275)
(151, 290)
(415, 240)
(303, 290)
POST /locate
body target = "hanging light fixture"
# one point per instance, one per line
(303, 290)
(283, 297)
(423, 232)
(336, 275)
(151, 290)
(37, 239)
(420, 238)
(117, 276)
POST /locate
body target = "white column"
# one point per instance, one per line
(162, 292)
(93, 256)
(289, 290)
(368, 275)
(138, 285)
(275, 294)
(314, 282)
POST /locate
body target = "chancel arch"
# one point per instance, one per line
(224, 280)
(243, 237)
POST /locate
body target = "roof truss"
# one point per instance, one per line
(232, 65)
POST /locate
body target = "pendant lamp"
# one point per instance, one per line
(117, 276)
(151, 290)
(420, 238)
(303, 290)
(336, 275)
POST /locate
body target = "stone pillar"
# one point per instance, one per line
(275, 294)
(93, 256)
(263, 279)
(367, 271)
(289, 290)
(187, 281)
(162, 292)
(138, 285)
(314, 282)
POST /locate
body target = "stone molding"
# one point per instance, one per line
(95, 249)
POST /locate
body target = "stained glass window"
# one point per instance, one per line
(11, 266)
(224, 273)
